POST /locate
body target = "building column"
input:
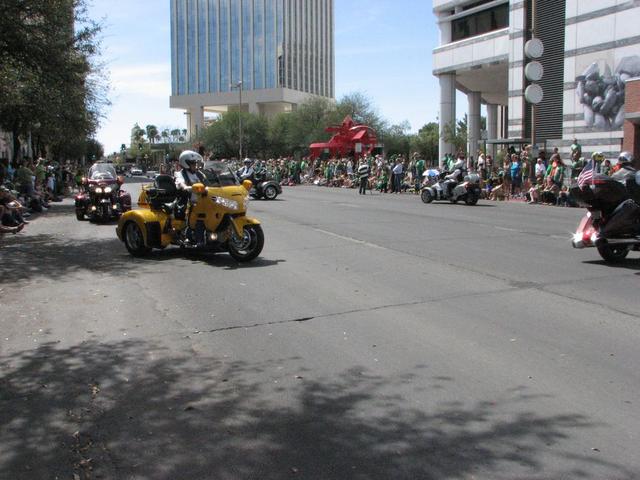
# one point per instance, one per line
(447, 112)
(445, 32)
(492, 128)
(473, 132)
(195, 121)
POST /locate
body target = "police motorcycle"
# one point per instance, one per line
(102, 199)
(454, 186)
(612, 221)
(263, 185)
(211, 217)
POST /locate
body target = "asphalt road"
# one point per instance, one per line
(375, 338)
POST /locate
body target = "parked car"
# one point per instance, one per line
(136, 172)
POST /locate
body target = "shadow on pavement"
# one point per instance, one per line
(24, 258)
(627, 264)
(136, 410)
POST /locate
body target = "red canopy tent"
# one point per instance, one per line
(349, 140)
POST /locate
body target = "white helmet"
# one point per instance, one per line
(625, 158)
(247, 161)
(188, 158)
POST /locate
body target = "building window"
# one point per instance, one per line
(225, 47)
(181, 54)
(203, 28)
(482, 22)
(259, 43)
(247, 45)
(214, 31)
(236, 43)
(192, 52)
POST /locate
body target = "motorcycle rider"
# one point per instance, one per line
(455, 177)
(624, 166)
(247, 172)
(186, 178)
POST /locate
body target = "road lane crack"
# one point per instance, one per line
(355, 311)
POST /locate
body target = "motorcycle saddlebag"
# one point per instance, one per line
(625, 220)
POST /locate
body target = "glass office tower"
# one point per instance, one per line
(281, 50)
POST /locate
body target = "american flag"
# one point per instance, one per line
(586, 176)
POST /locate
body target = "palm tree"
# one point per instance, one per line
(152, 131)
(137, 133)
(175, 133)
(165, 135)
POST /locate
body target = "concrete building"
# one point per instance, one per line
(591, 47)
(272, 54)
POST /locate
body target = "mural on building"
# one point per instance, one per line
(601, 93)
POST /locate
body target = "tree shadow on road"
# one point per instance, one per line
(137, 410)
(28, 257)
(25, 258)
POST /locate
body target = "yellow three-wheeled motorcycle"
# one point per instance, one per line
(215, 218)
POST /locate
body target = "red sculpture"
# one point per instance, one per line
(349, 140)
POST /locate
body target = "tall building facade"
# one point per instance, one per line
(591, 49)
(279, 53)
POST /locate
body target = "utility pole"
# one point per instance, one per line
(239, 87)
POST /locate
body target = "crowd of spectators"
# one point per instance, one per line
(393, 175)
(515, 175)
(539, 179)
(30, 186)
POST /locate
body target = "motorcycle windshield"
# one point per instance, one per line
(102, 171)
(219, 174)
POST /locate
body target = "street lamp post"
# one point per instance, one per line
(238, 85)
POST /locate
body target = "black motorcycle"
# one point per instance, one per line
(612, 223)
(264, 186)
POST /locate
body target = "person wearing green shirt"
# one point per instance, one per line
(576, 149)
(576, 167)
(24, 175)
(383, 183)
(421, 166)
(40, 172)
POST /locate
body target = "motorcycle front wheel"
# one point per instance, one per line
(471, 199)
(426, 196)
(80, 214)
(611, 254)
(249, 246)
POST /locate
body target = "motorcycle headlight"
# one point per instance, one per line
(227, 203)
(107, 190)
(98, 190)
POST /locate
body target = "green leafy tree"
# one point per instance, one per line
(361, 109)
(456, 134)
(223, 139)
(426, 142)
(94, 149)
(51, 84)
(397, 140)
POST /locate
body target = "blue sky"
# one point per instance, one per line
(383, 49)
